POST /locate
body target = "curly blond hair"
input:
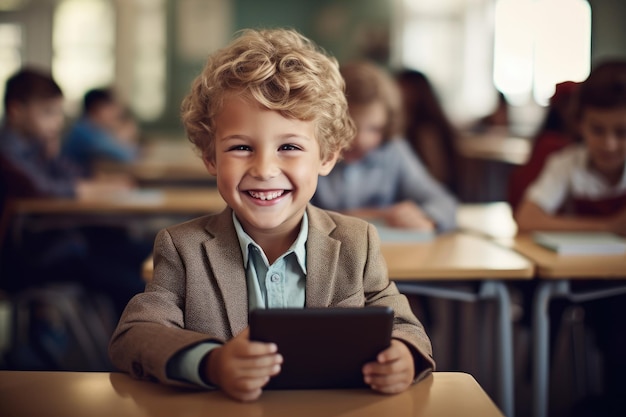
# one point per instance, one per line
(279, 69)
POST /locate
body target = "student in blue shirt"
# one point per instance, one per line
(103, 258)
(269, 115)
(104, 132)
(380, 178)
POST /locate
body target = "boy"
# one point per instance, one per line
(102, 133)
(380, 177)
(583, 187)
(269, 115)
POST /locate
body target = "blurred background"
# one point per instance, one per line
(150, 50)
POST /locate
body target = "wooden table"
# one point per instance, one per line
(73, 394)
(141, 201)
(426, 268)
(556, 273)
(109, 208)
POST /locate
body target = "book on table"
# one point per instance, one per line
(581, 243)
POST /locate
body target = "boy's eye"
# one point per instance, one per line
(240, 148)
(289, 147)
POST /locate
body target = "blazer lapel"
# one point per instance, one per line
(226, 263)
(321, 268)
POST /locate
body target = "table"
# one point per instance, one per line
(556, 273)
(140, 201)
(110, 208)
(74, 394)
(425, 268)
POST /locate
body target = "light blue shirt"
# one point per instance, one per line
(279, 285)
(387, 175)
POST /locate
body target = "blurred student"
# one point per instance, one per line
(105, 132)
(30, 166)
(556, 132)
(427, 128)
(583, 188)
(380, 177)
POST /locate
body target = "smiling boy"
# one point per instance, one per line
(269, 115)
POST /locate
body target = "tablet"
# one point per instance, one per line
(323, 347)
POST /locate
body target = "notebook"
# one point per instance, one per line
(581, 243)
(323, 348)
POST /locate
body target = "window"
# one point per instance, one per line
(83, 42)
(10, 54)
(537, 45)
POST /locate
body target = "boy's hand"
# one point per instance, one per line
(408, 215)
(241, 368)
(393, 370)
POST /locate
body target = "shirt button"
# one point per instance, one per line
(275, 278)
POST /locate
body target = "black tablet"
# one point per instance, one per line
(323, 347)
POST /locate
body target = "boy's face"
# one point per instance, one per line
(370, 120)
(40, 119)
(604, 132)
(266, 166)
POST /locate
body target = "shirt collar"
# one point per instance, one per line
(298, 247)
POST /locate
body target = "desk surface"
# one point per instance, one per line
(142, 201)
(69, 394)
(549, 264)
(455, 256)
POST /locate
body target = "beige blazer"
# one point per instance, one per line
(199, 291)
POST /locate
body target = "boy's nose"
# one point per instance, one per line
(264, 167)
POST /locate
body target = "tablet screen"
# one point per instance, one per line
(323, 347)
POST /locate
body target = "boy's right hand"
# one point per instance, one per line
(241, 368)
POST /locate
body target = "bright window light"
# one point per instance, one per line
(537, 45)
(10, 54)
(83, 47)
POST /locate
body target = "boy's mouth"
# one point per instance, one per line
(267, 195)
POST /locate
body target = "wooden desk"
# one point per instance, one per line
(455, 256)
(69, 394)
(556, 273)
(142, 201)
(551, 265)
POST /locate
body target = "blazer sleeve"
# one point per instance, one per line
(152, 329)
(379, 291)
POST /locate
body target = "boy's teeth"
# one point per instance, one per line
(262, 195)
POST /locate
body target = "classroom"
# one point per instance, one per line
(313, 207)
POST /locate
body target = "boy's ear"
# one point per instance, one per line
(329, 163)
(209, 163)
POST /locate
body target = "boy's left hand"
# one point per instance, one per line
(393, 370)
